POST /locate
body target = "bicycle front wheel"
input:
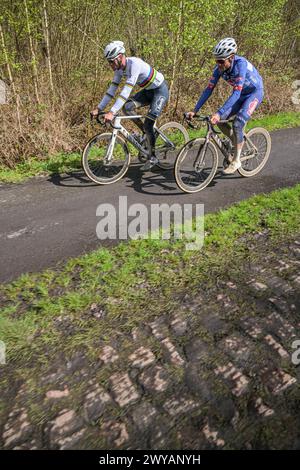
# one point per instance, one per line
(96, 164)
(171, 138)
(256, 151)
(196, 165)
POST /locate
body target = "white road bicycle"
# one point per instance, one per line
(106, 156)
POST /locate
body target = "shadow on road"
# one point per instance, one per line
(153, 182)
(71, 179)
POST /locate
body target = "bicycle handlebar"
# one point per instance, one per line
(206, 119)
(98, 117)
(102, 113)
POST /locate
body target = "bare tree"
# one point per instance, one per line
(47, 42)
(11, 79)
(33, 56)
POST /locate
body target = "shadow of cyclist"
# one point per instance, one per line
(158, 179)
(151, 182)
(71, 179)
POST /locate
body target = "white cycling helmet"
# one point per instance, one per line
(113, 49)
(225, 48)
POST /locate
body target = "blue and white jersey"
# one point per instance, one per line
(242, 76)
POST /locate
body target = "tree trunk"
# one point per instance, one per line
(10, 76)
(33, 56)
(85, 34)
(176, 49)
(46, 36)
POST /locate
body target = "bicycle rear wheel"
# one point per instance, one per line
(256, 151)
(94, 161)
(171, 138)
(194, 170)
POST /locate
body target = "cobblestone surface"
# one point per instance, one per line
(216, 373)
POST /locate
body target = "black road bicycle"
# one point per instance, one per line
(198, 160)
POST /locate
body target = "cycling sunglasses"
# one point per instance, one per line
(222, 61)
(112, 60)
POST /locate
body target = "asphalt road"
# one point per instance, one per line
(48, 220)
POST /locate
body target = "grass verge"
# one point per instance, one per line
(132, 283)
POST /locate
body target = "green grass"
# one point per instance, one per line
(271, 122)
(60, 163)
(277, 121)
(63, 163)
(52, 309)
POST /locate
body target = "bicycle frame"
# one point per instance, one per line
(248, 157)
(212, 134)
(117, 127)
(219, 143)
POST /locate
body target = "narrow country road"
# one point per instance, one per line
(47, 220)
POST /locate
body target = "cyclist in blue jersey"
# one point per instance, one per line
(246, 96)
(153, 92)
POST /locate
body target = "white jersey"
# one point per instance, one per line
(137, 72)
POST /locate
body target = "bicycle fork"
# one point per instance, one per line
(109, 152)
(198, 165)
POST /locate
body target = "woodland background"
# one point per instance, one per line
(51, 59)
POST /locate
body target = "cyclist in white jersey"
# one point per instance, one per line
(154, 92)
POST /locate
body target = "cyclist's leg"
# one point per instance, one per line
(159, 100)
(226, 128)
(140, 99)
(250, 103)
(149, 130)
